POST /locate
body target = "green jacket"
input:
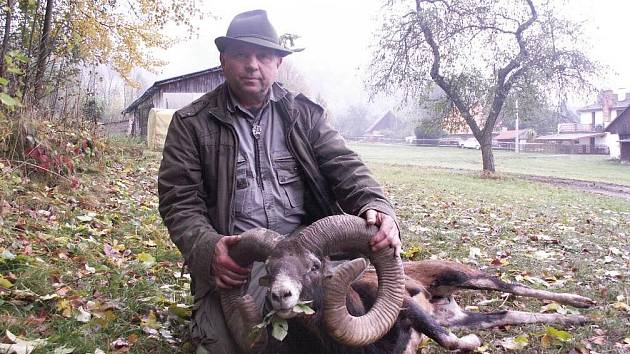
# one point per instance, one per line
(196, 182)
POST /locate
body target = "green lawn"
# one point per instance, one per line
(584, 167)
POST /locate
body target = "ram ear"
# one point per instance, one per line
(265, 281)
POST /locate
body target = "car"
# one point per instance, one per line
(470, 143)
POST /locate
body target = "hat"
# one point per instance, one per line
(252, 27)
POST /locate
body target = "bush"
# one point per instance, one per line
(54, 149)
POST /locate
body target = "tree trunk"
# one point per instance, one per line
(44, 49)
(5, 40)
(487, 155)
(28, 74)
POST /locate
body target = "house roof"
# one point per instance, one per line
(151, 90)
(382, 122)
(511, 134)
(569, 136)
(598, 106)
(614, 126)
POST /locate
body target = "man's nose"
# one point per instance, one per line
(251, 63)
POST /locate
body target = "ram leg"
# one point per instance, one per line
(448, 313)
(423, 323)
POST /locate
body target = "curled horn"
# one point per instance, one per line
(345, 233)
(240, 311)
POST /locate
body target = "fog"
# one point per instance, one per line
(337, 36)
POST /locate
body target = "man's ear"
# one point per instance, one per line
(279, 61)
(221, 59)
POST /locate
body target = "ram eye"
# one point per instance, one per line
(315, 267)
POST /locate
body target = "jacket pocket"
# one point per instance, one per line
(243, 195)
(290, 181)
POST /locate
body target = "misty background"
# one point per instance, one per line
(338, 35)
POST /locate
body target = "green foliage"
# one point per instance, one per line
(119, 34)
(92, 110)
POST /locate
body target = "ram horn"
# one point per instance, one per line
(345, 233)
(240, 311)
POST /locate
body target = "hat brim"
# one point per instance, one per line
(223, 42)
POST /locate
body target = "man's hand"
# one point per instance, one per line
(227, 273)
(387, 234)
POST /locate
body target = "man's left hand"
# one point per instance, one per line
(387, 234)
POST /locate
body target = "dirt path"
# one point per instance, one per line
(610, 189)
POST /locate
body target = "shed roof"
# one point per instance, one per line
(569, 136)
(511, 134)
(151, 90)
(616, 125)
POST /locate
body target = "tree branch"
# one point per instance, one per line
(439, 79)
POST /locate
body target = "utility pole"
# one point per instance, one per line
(517, 142)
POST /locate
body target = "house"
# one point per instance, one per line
(610, 103)
(455, 125)
(621, 128)
(172, 93)
(509, 136)
(588, 135)
(387, 122)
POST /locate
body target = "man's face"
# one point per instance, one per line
(250, 70)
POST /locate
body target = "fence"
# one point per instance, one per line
(118, 127)
(546, 148)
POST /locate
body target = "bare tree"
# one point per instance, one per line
(478, 52)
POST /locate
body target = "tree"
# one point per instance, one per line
(479, 52)
(59, 38)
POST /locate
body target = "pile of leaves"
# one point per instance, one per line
(88, 267)
(52, 149)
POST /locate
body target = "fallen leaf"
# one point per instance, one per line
(119, 344)
(83, 316)
(5, 283)
(560, 335)
(63, 350)
(146, 259)
(621, 306)
(474, 252)
(516, 343)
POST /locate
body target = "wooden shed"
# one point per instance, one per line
(172, 93)
(621, 126)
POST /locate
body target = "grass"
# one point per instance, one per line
(101, 248)
(584, 167)
(518, 230)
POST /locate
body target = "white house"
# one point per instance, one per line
(589, 132)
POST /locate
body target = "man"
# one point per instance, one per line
(251, 154)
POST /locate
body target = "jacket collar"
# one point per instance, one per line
(224, 108)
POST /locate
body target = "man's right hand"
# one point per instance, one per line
(227, 273)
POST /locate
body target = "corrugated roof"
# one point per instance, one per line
(569, 136)
(149, 92)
